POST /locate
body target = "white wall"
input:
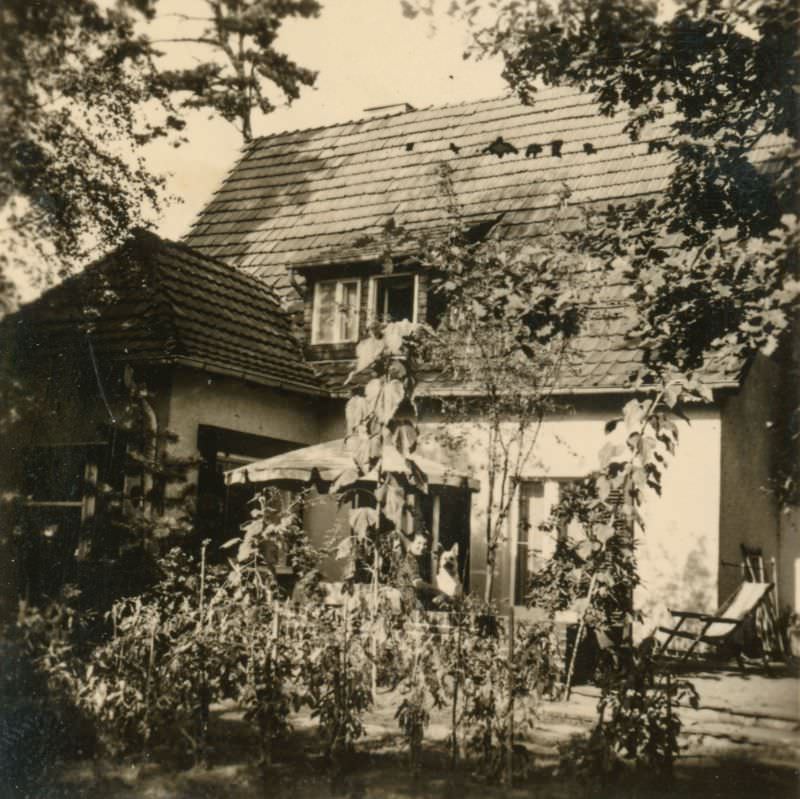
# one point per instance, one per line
(199, 398)
(678, 552)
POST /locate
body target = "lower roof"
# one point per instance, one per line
(152, 300)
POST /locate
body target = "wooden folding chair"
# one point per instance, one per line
(718, 628)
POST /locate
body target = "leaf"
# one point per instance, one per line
(705, 392)
(355, 412)
(584, 549)
(405, 437)
(610, 453)
(604, 533)
(395, 335)
(580, 606)
(362, 521)
(633, 414)
(230, 543)
(391, 397)
(394, 503)
(417, 477)
(345, 479)
(372, 393)
(368, 351)
(392, 460)
(672, 394)
(611, 425)
(344, 548)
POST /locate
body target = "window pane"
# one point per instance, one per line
(529, 536)
(394, 298)
(326, 312)
(349, 312)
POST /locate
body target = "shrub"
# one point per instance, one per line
(39, 722)
(490, 685)
(335, 674)
(638, 723)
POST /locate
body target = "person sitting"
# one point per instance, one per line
(416, 592)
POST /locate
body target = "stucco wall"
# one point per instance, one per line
(749, 514)
(678, 553)
(198, 398)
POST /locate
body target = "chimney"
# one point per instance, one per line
(387, 110)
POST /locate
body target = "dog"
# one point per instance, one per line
(447, 578)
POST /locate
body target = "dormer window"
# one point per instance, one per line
(393, 298)
(335, 319)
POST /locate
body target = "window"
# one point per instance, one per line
(394, 298)
(534, 547)
(335, 318)
(59, 486)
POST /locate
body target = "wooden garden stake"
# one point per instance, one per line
(456, 684)
(373, 642)
(510, 669)
(204, 695)
(578, 637)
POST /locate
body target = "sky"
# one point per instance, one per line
(366, 53)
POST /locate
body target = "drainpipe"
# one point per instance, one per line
(150, 451)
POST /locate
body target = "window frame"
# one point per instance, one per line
(315, 310)
(89, 476)
(551, 493)
(372, 311)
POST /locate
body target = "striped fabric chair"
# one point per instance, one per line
(717, 628)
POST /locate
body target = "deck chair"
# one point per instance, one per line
(718, 628)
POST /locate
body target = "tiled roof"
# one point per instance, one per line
(323, 196)
(315, 196)
(157, 301)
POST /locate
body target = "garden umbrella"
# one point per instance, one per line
(323, 463)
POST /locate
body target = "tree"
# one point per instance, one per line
(74, 78)
(243, 33)
(713, 259)
(84, 91)
(512, 314)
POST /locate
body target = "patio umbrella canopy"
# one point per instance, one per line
(325, 462)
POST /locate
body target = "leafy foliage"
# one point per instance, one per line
(158, 673)
(86, 87)
(241, 35)
(512, 313)
(419, 671)
(381, 437)
(712, 260)
(638, 717)
(39, 723)
(76, 74)
(336, 676)
(488, 683)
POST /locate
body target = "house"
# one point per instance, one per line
(313, 212)
(215, 362)
(305, 219)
